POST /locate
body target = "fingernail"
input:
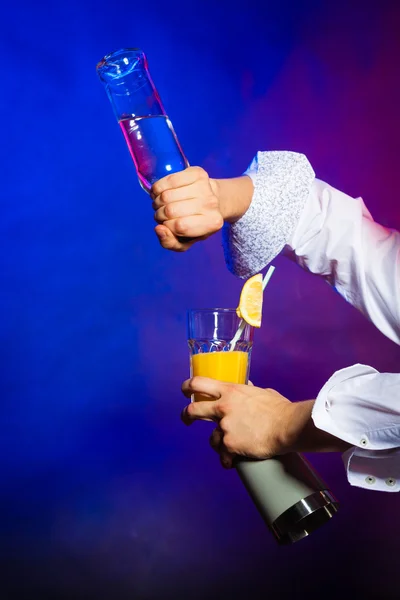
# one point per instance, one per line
(161, 234)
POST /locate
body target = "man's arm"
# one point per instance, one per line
(325, 231)
(279, 205)
(335, 237)
(256, 422)
(262, 423)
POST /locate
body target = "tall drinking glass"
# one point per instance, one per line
(289, 494)
(210, 332)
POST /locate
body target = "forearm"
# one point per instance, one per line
(234, 196)
(304, 436)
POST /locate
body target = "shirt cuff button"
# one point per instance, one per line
(370, 480)
(390, 481)
(364, 441)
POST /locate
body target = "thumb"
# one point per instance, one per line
(168, 240)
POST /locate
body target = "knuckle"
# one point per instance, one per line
(270, 391)
(181, 227)
(158, 217)
(170, 211)
(156, 189)
(229, 443)
(218, 222)
(165, 196)
(199, 172)
(194, 382)
(226, 403)
(223, 407)
(174, 179)
(224, 425)
(190, 409)
(231, 389)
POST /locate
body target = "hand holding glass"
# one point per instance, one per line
(288, 493)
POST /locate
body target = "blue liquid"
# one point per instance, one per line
(154, 148)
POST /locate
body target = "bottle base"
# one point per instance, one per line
(304, 517)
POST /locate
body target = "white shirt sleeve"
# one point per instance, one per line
(332, 235)
(362, 407)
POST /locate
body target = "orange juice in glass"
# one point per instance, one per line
(210, 333)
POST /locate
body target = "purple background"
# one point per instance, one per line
(104, 493)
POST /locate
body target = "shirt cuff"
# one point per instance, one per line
(373, 469)
(282, 183)
(367, 465)
(325, 407)
(357, 406)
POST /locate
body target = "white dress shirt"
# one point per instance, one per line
(334, 236)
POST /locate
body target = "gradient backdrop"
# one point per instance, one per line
(104, 493)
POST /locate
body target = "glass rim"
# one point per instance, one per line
(208, 310)
(115, 54)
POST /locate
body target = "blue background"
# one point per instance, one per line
(104, 493)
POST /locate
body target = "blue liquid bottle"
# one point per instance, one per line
(148, 132)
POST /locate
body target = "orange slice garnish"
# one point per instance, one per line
(251, 300)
